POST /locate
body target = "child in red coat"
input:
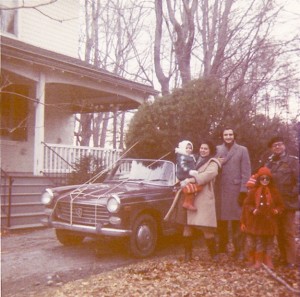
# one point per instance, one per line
(258, 220)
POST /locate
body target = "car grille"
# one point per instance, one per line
(83, 214)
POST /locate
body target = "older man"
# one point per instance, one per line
(285, 171)
(231, 184)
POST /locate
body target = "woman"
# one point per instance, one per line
(204, 218)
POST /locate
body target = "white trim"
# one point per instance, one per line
(39, 126)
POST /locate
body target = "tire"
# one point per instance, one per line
(143, 239)
(66, 237)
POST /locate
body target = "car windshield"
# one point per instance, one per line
(158, 172)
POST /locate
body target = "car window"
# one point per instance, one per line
(147, 171)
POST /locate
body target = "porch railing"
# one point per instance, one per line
(58, 157)
(6, 189)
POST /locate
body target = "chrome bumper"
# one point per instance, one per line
(95, 230)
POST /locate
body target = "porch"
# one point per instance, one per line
(21, 205)
(60, 158)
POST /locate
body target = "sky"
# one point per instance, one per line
(288, 25)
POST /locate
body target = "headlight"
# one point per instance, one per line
(113, 204)
(47, 196)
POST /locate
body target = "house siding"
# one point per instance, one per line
(58, 31)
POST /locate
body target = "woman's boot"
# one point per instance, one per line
(211, 246)
(188, 248)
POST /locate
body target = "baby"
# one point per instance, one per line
(185, 162)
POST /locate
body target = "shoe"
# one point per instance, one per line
(240, 257)
(188, 248)
(290, 266)
(211, 245)
(188, 202)
(216, 258)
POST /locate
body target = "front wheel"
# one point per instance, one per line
(66, 237)
(143, 239)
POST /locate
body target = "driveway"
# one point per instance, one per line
(33, 260)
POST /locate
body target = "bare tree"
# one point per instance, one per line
(111, 31)
(228, 40)
(236, 47)
(162, 78)
(179, 20)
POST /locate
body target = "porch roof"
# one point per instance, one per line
(100, 90)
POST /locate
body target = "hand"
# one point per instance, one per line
(275, 211)
(184, 182)
(193, 172)
(243, 227)
(221, 160)
(255, 211)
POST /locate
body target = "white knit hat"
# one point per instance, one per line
(181, 149)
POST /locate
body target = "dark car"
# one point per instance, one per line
(130, 203)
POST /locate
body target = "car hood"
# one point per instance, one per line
(91, 192)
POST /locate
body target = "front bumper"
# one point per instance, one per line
(93, 230)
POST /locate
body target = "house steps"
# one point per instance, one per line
(26, 209)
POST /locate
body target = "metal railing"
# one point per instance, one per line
(6, 185)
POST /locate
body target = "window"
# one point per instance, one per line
(8, 18)
(14, 113)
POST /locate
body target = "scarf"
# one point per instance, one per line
(260, 193)
(201, 161)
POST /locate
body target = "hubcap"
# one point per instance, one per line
(144, 237)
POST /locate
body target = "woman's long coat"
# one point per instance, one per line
(235, 173)
(204, 200)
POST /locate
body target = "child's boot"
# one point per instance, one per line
(188, 202)
(258, 260)
(268, 261)
(250, 258)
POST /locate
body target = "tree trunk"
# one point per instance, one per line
(162, 78)
(104, 129)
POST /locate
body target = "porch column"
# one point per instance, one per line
(39, 126)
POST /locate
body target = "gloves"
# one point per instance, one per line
(243, 227)
(193, 172)
(252, 181)
(241, 198)
(256, 212)
(183, 183)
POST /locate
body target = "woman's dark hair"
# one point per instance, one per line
(212, 147)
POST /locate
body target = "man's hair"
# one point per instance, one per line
(228, 128)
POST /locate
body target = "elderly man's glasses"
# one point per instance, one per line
(277, 144)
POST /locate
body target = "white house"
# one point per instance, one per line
(53, 26)
(44, 84)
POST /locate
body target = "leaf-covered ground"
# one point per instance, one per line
(171, 276)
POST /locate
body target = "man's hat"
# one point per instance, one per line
(274, 140)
